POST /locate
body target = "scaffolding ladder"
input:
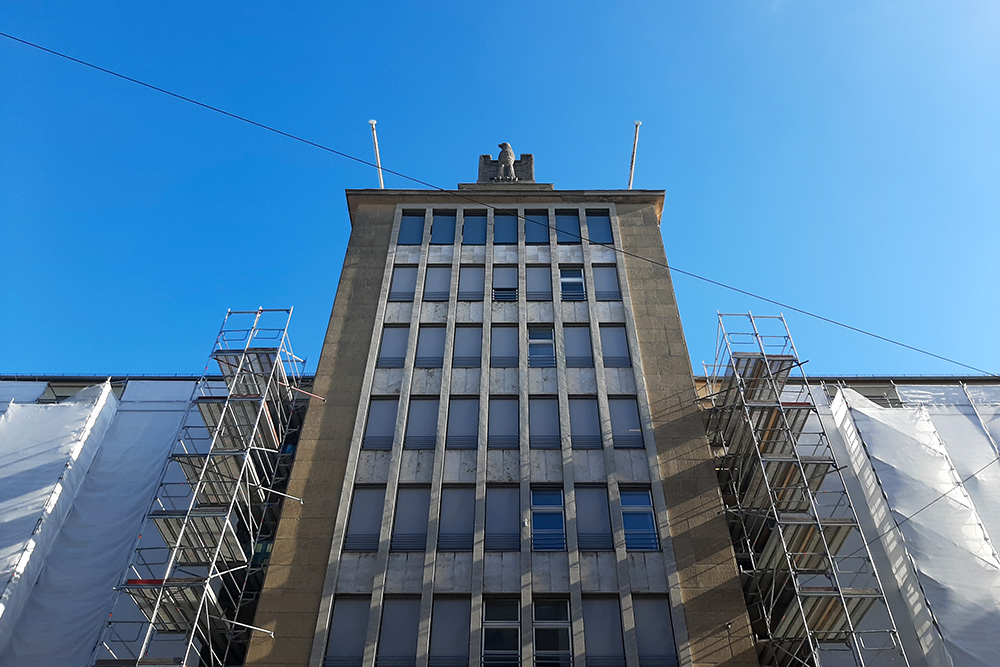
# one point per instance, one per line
(812, 592)
(190, 592)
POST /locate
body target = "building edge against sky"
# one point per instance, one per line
(313, 566)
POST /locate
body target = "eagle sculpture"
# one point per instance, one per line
(505, 163)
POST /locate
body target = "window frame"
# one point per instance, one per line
(465, 293)
(541, 346)
(505, 292)
(506, 217)
(467, 362)
(438, 270)
(477, 216)
(603, 294)
(548, 539)
(540, 229)
(638, 539)
(550, 657)
(383, 361)
(407, 227)
(568, 290)
(615, 360)
(504, 360)
(501, 657)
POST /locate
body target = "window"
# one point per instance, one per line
(438, 283)
(536, 227)
(548, 531)
(502, 430)
(463, 423)
(541, 347)
(430, 347)
(538, 285)
(404, 283)
(584, 423)
(411, 228)
(397, 642)
(571, 284)
(381, 423)
(654, 630)
(543, 423)
(468, 347)
(458, 510)
(348, 630)
(392, 351)
(639, 520)
(505, 229)
(503, 347)
(503, 518)
(599, 226)
(593, 519)
(579, 353)
(606, 284)
(602, 631)
(421, 424)
(366, 519)
(443, 228)
(501, 632)
(551, 626)
(567, 227)
(505, 283)
(450, 628)
(626, 431)
(474, 228)
(614, 347)
(409, 530)
(471, 282)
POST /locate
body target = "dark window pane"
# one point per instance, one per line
(536, 227)
(463, 423)
(392, 351)
(404, 283)
(505, 229)
(501, 639)
(411, 228)
(468, 347)
(567, 227)
(606, 284)
(474, 228)
(437, 283)
(551, 639)
(502, 610)
(599, 227)
(471, 283)
(443, 228)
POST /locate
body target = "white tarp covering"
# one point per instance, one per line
(45, 452)
(65, 614)
(921, 455)
(19, 392)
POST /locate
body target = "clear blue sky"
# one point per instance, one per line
(843, 157)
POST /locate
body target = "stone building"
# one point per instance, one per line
(509, 466)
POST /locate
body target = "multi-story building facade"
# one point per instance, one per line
(509, 466)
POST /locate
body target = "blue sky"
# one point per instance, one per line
(843, 157)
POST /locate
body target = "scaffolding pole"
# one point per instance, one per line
(812, 592)
(190, 592)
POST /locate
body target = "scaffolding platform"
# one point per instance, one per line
(248, 373)
(239, 423)
(208, 528)
(180, 606)
(829, 614)
(226, 476)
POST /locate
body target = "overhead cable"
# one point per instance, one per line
(473, 200)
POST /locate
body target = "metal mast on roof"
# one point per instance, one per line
(378, 160)
(193, 584)
(635, 143)
(811, 589)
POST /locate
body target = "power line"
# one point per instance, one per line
(459, 195)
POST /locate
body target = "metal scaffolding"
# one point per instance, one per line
(812, 592)
(191, 590)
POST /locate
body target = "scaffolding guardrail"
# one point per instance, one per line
(191, 589)
(812, 592)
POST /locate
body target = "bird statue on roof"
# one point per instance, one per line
(505, 163)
